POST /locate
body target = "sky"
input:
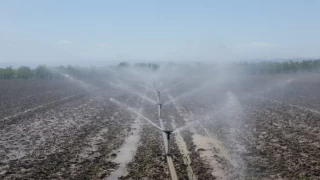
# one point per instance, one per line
(103, 31)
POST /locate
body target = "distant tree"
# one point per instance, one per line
(151, 66)
(24, 72)
(2, 73)
(286, 67)
(317, 65)
(75, 71)
(42, 72)
(154, 66)
(8, 73)
(281, 67)
(59, 72)
(123, 64)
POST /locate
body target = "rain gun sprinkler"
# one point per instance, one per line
(168, 132)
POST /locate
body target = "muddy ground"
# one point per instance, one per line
(263, 128)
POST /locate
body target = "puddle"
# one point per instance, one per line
(127, 151)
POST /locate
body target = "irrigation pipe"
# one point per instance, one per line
(166, 137)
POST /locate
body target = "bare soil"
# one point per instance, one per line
(266, 127)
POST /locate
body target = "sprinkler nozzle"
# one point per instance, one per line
(168, 132)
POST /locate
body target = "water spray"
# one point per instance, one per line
(135, 112)
(165, 133)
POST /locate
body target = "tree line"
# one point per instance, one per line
(150, 66)
(45, 72)
(271, 67)
(60, 72)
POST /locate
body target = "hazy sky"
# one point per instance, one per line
(60, 31)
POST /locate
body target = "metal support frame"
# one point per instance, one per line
(166, 139)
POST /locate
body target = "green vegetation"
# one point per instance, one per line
(44, 72)
(7, 73)
(269, 67)
(24, 72)
(151, 66)
(124, 64)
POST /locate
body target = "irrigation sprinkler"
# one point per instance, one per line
(165, 133)
(160, 106)
(166, 137)
(168, 132)
(158, 93)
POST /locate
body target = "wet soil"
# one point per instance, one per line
(54, 130)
